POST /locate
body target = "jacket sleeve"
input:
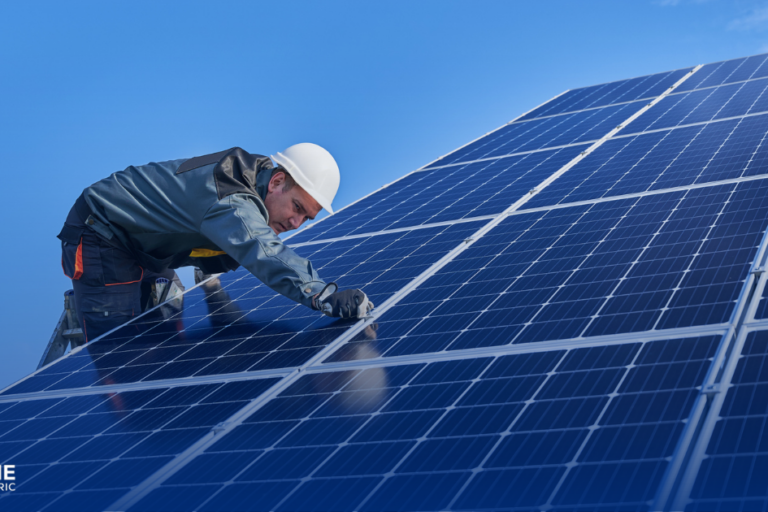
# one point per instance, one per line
(238, 225)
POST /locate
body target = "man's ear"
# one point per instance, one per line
(276, 182)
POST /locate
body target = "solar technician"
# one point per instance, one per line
(215, 212)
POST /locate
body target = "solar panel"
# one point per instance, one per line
(644, 87)
(684, 156)
(571, 315)
(83, 452)
(243, 326)
(726, 72)
(490, 432)
(732, 475)
(447, 194)
(700, 106)
(659, 261)
(554, 131)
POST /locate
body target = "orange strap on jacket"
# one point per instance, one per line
(79, 261)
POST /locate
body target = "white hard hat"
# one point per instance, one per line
(314, 169)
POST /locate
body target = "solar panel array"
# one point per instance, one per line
(571, 315)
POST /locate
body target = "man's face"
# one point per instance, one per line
(288, 210)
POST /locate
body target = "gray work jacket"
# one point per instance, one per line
(168, 214)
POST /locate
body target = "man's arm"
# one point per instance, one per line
(238, 225)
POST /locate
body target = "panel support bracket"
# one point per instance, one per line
(711, 390)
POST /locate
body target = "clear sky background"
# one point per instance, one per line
(89, 88)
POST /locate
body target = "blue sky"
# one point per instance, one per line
(89, 88)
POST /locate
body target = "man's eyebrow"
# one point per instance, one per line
(304, 210)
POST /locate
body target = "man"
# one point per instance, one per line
(216, 212)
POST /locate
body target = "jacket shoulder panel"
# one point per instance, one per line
(201, 161)
(235, 172)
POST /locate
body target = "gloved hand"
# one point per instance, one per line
(342, 304)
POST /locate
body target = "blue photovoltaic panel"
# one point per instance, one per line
(244, 326)
(727, 72)
(564, 359)
(450, 193)
(761, 312)
(681, 157)
(733, 474)
(643, 87)
(85, 452)
(654, 262)
(704, 105)
(589, 427)
(589, 125)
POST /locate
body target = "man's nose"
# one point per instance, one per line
(295, 222)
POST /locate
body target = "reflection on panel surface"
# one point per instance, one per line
(643, 87)
(591, 426)
(452, 193)
(85, 452)
(655, 161)
(240, 325)
(655, 262)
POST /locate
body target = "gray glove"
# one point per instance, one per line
(342, 304)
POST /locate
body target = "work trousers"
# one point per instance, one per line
(109, 284)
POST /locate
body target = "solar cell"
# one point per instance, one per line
(511, 431)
